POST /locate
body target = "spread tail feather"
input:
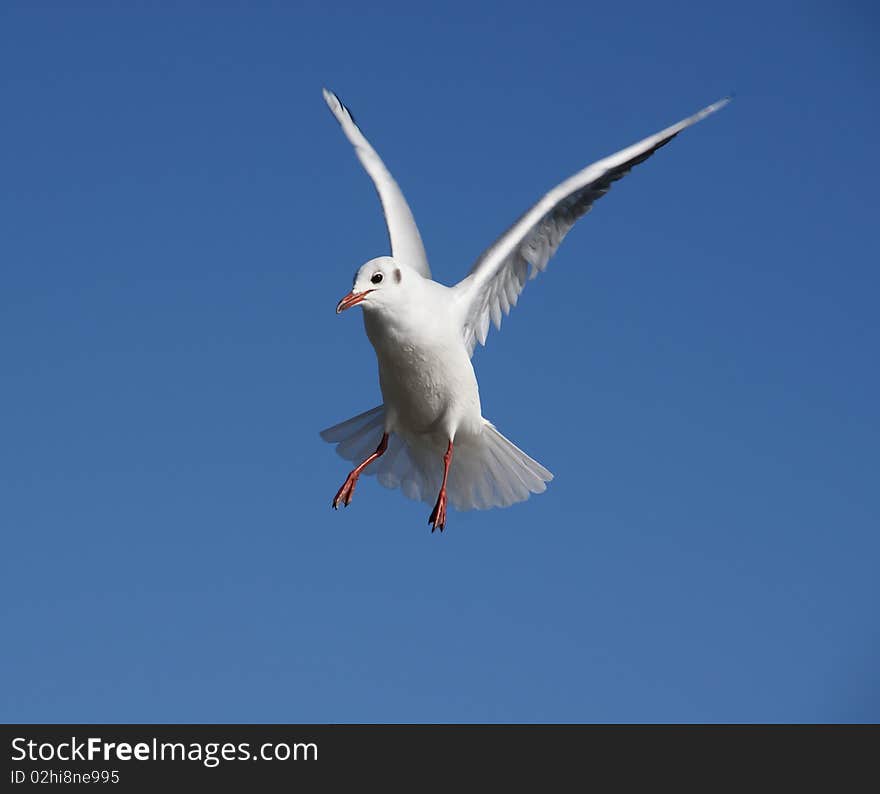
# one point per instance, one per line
(491, 471)
(487, 471)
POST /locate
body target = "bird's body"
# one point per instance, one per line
(425, 373)
(429, 436)
(430, 400)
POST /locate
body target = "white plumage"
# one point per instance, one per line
(492, 473)
(429, 438)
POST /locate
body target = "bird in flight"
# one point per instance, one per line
(429, 437)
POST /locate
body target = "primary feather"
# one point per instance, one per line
(499, 275)
(406, 242)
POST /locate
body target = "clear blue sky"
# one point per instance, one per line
(180, 214)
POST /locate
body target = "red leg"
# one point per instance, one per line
(437, 519)
(345, 493)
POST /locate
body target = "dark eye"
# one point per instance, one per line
(377, 278)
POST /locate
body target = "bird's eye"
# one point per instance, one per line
(377, 278)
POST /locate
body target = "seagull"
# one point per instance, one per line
(429, 436)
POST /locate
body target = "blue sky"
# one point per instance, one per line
(698, 367)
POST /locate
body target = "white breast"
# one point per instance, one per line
(425, 373)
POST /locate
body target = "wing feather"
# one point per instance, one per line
(524, 250)
(406, 242)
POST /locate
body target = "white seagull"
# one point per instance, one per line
(429, 436)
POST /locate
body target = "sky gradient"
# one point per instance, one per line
(698, 366)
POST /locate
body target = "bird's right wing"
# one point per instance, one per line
(406, 242)
(499, 275)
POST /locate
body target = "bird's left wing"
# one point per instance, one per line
(497, 278)
(406, 242)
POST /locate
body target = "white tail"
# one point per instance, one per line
(488, 471)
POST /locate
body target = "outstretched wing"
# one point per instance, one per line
(499, 275)
(406, 242)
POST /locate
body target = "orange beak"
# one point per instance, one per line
(352, 299)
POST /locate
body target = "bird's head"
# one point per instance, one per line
(377, 285)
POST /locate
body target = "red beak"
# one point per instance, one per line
(352, 299)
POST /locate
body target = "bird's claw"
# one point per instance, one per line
(345, 493)
(437, 519)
